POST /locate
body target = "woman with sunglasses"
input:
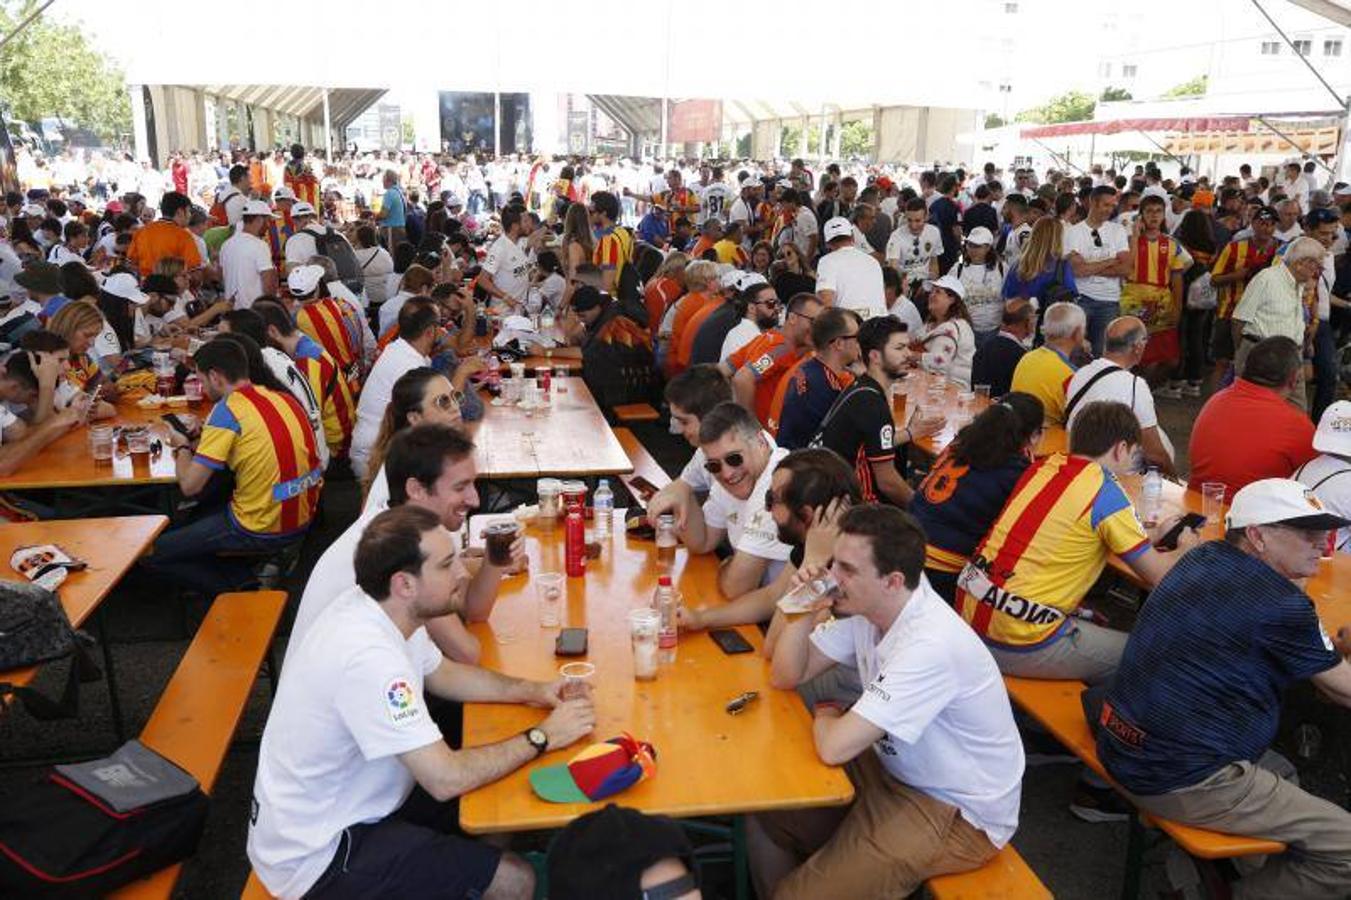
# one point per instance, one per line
(420, 396)
(949, 341)
(791, 273)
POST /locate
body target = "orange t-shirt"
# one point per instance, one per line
(770, 358)
(159, 240)
(658, 297)
(689, 306)
(701, 246)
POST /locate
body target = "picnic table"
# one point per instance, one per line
(570, 439)
(914, 391)
(110, 546)
(708, 762)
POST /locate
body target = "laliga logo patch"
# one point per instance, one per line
(887, 436)
(401, 702)
(1313, 501)
(1342, 424)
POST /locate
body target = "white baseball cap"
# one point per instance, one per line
(304, 279)
(1280, 501)
(256, 208)
(950, 283)
(34, 209)
(79, 198)
(302, 209)
(748, 280)
(980, 236)
(838, 227)
(730, 278)
(124, 285)
(282, 192)
(1334, 430)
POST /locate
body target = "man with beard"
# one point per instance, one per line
(751, 309)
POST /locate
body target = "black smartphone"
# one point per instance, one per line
(570, 642)
(730, 641)
(176, 424)
(642, 487)
(1169, 540)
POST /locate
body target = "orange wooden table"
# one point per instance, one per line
(110, 546)
(67, 463)
(570, 439)
(708, 763)
(916, 393)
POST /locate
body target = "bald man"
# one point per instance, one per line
(1111, 378)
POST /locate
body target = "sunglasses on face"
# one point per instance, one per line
(771, 303)
(447, 402)
(733, 460)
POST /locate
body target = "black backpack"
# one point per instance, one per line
(34, 629)
(61, 840)
(333, 245)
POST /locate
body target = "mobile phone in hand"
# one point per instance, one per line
(1170, 538)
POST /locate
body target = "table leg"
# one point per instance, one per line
(110, 676)
(1135, 856)
(740, 858)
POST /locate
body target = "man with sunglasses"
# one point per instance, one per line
(758, 368)
(848, 277)
(806, 394)
(752, 303)
(1099, 254)
(741, 458)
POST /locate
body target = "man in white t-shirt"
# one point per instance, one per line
(246, 259)
(349, 738)
(715, 199)
(848, 277)
(419, 326)
(931, 746)
(301, 246)
(915, 245)
(1111, 379)
(1099, 253)
(506, 269)
(741, 460)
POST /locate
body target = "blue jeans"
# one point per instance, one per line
(1099, 315)
(1324, 369)
(186, 555)
(476, 202)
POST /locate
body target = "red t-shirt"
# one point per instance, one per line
(1247, 432)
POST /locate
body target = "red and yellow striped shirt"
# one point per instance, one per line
(328, 322)
(330, 387)
(1237, 255)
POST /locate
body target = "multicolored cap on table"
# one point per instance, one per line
(596, 772)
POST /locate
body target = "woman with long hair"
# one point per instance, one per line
(80, 323)
(665, 287)
(981, 273)
(762, 257)
(792, 273)
(949, 342)
(1196, 233)
(1042, 271)
(963, 493)
(578, 244)
(420, 395)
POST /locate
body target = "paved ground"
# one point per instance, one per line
(1074, 859)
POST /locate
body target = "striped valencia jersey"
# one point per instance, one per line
(302, 181)
(81, 371)
(614, 250)
(1045, 550)
(1154, 262)
(330, 387)
(264, 438)
(331, 323)
(678, 203)
(1237, 255)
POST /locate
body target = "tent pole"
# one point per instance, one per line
(1058, 156)
(328, 131)
(1341, 101)
(1291, 141)
(1161, 147)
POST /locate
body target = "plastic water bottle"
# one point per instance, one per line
(664, 601)
(1151, 497)
(604, 503)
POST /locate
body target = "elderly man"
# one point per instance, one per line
(1272, 305)
(996, 359)
(1046, 371)
(1184, 756)
(1111, 378)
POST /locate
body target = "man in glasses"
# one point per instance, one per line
(741, 459)
(848, 277)
(758, 368)
(806, 394)
(752, 309)
(1183, 756)
(1099, 253)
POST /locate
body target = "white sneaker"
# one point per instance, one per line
(1191, 389)
(1169, 392)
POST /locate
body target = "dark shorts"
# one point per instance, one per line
(412, 853)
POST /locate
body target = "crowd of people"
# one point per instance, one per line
(335, 314)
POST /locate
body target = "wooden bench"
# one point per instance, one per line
(643, 464)
(636, 412)
(1006, 877)
(197, 714)
(1055, 705)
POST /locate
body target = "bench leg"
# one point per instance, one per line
(110, 677)
(740, 859)
(1135, 854)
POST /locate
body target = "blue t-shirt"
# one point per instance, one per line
(654, 230)
(956, 504)
(1201, 679)
(53, 306)
(806, 401)
(1016, 287)
(392, 207)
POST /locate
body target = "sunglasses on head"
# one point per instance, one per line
(734, 460)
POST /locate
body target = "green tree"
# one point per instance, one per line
(1071, 106)
(790, 139)
(743, 146)
(1194, 88)
(994, 120)
(856, 139)
(1115, 93)
(51, 69)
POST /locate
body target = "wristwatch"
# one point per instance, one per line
(536, 738)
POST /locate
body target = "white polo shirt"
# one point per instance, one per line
(333, 575)
(1121, 386)
(1114, 239)
(243, 260)
(509, 267)
(856, 279)
(349, 703)
(749, 526)
(399, 357)
(934, 689)
(301, 246)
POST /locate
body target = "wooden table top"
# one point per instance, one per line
(66, 462)
(110, 546)
(916, 386)
(708, 762)
(570, 439)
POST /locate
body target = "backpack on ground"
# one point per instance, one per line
(85, 830)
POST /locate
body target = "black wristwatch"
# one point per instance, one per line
(536, 738)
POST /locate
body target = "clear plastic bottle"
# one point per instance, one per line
(665, 601)
(1151, 497)
(802, 598)
(666, 540)
(603, 501)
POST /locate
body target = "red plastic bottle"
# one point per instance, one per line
(574, 543)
